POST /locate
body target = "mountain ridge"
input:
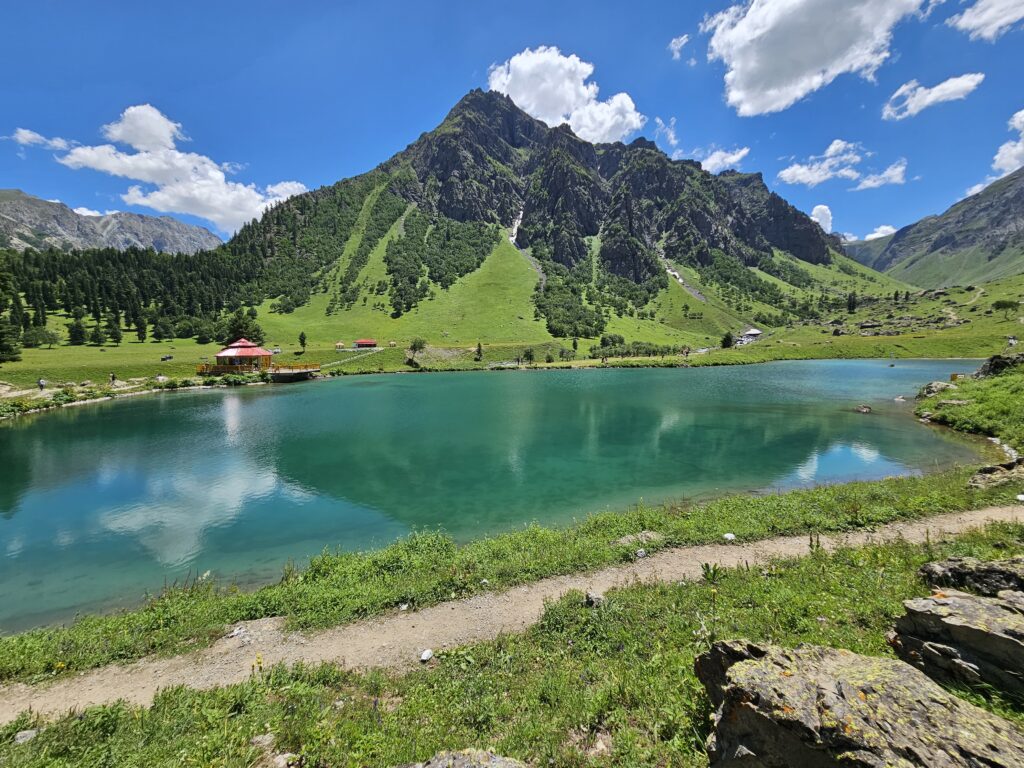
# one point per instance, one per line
(27, 221)
(603, 221)
(978, 239)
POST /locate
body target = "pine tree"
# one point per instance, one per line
(114, 331)
(302, 340)
(98, 337)
(76, 333)
(140, 329)
(10, 341)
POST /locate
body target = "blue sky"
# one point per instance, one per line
(252, 101)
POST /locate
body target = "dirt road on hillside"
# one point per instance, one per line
(396, 640)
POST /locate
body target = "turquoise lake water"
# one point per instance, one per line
(100, 503)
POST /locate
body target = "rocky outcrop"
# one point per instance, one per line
(821, 707)
(470, 758)
(29, 222)
(983, 577)
(998, 474)
(956, 637)
(997, 364)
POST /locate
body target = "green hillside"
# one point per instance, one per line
(978, 240)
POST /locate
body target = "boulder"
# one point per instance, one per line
(998, 474)
(934, 388)
(956, 637)
(827, 708)
(997, 364)
(469, 758)
(987, 578)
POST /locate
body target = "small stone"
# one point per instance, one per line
(641, 553)
(863, 409)
(426, 656)
(484, 582)
(283, 761)
(23, 737)
(593, 600)
(403, 607)
(263, 740)
(1020, 497)
(729, 536)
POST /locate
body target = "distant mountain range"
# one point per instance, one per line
(979, 239)
(30, 222)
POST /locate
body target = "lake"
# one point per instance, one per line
(103, 502)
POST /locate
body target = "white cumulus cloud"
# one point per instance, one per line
(722, 159)
(27, 138)
(554, 88)
(894, 174)
(837, 162)
(172, 181)
(676, 46)
(1009, 157)
(988, 19)
(823, 215)
(912, 97)
(778, 51)
(883, 230)
(841, 160)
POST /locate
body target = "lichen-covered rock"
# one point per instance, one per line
(987, 578)
(469, 758)
(957, 637)
(824, 708)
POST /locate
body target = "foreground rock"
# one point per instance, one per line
(823, 707)
(998, 474)
(470, 758)
(984, 577)
(961, 638)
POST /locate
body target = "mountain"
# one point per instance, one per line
(600, 223)
(29, 222)
(492, 228)
(978, 240)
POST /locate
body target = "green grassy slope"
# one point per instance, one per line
(973, 265)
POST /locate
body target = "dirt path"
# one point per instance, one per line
(395, 640)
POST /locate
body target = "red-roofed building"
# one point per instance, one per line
(244, 353)
(366, 343)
